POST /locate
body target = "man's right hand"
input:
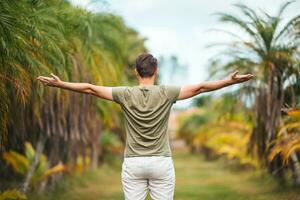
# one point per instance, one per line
(87, 88)
(53, 81)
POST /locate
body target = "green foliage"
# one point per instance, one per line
(228, 137)
(39, 37)
(190, 123)
(53, 36)
(12, 194)
(21, 164)
(202, 100)
(111, 142)
(221, 127)
(288, 141)
(270, 50)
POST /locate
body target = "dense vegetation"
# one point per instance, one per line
(44, 127)
(251, 125)
(46, 133)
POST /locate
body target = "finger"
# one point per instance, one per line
(241, 76)
(235, 73)
(39, 77)
(55, 77)
(46, 78)
(250, 76)
(42, 77)
(245, 76)
(44, 81)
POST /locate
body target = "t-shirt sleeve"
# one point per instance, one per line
(118, 94)
(172, 92)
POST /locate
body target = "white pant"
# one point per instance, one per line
(155, 173)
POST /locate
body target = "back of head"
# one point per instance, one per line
(146, 65)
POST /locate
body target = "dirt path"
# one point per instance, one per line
(196, 179)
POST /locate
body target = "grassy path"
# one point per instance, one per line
(196, 179)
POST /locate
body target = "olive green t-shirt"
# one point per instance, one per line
(146, 110)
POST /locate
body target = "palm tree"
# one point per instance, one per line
(288, 141)
(271, 52)
(53, 36)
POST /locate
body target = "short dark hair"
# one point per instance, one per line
(146, 65)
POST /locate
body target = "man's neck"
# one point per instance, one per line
(146, 81)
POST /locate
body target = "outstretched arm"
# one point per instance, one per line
(189, 91)
(87, 88)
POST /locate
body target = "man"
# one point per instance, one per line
(148, 163)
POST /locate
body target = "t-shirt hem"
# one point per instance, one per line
(145, 155)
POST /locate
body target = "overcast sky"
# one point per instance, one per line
(182, 27)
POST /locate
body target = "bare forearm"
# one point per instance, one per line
(208, 86)
(87, 88)
(188, 91)
(77, 87)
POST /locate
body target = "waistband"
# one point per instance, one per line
(147, 157)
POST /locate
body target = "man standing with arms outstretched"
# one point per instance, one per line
(148, 163)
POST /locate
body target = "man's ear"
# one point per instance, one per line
(156, 71)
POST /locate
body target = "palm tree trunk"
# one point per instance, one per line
(296, 168)
(295, 164)
(33, 165)
(95, 155)
(275, 96)
(272, 104)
